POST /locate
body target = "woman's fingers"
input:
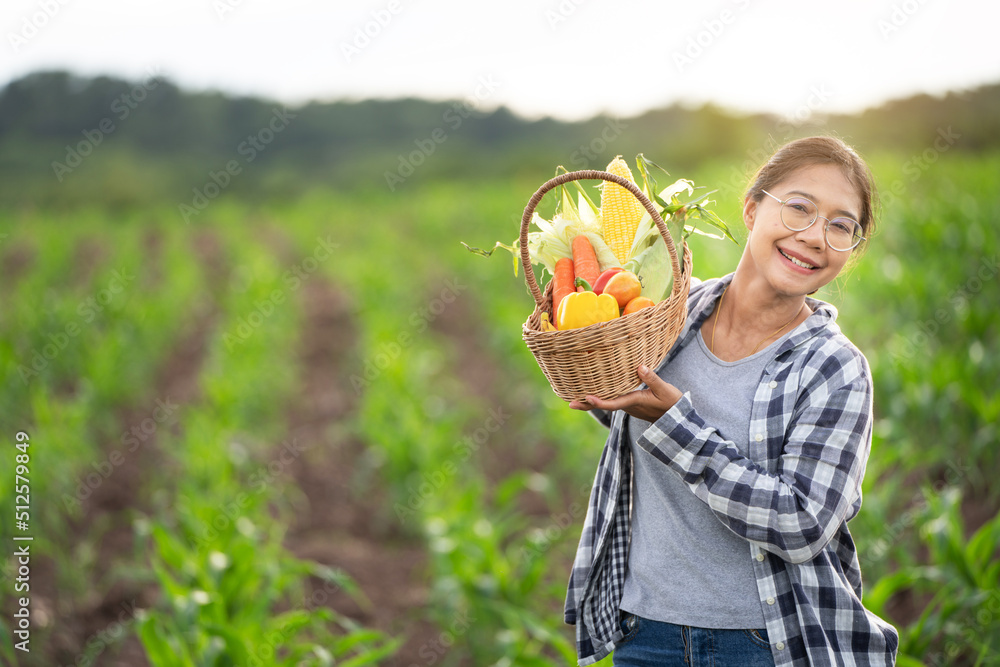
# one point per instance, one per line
(657, 385)
(649, 403)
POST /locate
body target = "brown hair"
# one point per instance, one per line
(820, 150)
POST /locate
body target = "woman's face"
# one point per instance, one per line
(778, 253)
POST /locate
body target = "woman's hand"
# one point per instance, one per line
(648, 404)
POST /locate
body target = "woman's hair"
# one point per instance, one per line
(819, 150)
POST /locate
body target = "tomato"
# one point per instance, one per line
(624, 286)
(603, 279)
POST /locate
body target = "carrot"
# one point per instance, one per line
(585, 260)
(562, 282)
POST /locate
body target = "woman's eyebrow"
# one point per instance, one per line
(810, 197)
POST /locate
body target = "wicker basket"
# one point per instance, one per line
(601, 359)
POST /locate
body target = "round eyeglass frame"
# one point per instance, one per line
(826, 227)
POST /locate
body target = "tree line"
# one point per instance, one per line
(67, 140)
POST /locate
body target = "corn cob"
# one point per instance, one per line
(620, 212)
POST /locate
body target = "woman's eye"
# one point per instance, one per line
(842, 226)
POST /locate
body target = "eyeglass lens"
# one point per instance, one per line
(799, 214)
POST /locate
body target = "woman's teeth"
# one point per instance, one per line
(796, 262)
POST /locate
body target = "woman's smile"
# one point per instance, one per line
(797, 261)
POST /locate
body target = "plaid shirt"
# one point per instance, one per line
(791, 499)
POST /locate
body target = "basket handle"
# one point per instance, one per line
(529, 210)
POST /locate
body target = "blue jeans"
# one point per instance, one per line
(655, 644)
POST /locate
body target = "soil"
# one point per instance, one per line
(16, 261)
(99, 619)
(340, 519)
(341, 523)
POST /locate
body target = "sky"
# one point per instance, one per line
(570, 59)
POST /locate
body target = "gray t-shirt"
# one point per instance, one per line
(685, 566)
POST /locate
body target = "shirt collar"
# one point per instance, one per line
(823, 317)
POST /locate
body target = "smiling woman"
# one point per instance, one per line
(739, 475)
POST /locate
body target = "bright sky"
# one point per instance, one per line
(567, 58)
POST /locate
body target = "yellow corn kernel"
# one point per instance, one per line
(620, 212)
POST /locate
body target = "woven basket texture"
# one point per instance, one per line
(601, 359)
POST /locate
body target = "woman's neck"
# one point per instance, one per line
(752, 315)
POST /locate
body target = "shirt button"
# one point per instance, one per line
(770, 600)
(772, 384)
(759, 437)
(780, 646)
(760, 557)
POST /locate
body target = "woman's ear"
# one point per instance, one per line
(749, 211)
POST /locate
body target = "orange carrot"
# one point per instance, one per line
(562, 282)
(585, 260)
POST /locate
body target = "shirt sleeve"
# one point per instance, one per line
(602, 416)
(796, 510)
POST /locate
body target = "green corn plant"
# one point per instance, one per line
(960, 623)
(243, 602)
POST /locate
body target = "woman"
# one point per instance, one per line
(717, 528)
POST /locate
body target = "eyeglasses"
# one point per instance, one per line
(798, 214)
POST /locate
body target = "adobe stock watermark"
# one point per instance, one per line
(132, 439)
(228, 514)
(585, 154)
(452, 119)
(109, 636)
(388, 352)
(266, 652)
(916, 165)
(543, 539)
(899, 16)
(32, 24)
(364, 34)
(739, 174)
(434, 649)
(561, 12)
(293, 279)
(87, 310)
(817, 97)
(248, 149)
(121, 108)
(710, 31)
(430, 484)
(955, 473)
(223, 7)
(972, 635)
(906, 347)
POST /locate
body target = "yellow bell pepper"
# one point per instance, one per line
(581, 309)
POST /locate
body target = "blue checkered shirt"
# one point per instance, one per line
(791, 499)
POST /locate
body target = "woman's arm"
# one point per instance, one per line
(795, 511)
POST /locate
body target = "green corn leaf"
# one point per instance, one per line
(514, 249)
(374, 656)
(981, 548)
(169, 548)
(236, 646)
(357, 637)
(153, 641)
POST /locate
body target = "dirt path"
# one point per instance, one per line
(481, 373)
(16, 261)
(338, 526)
(99, 620)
